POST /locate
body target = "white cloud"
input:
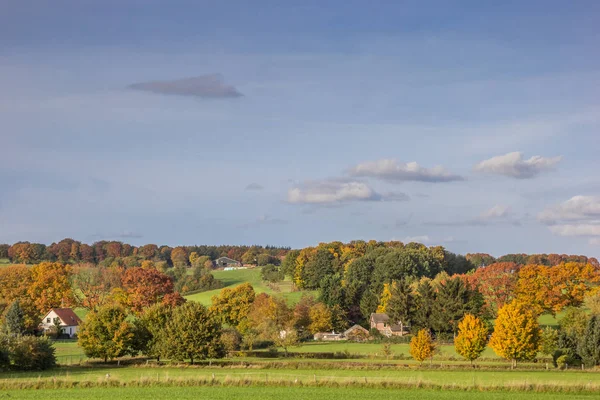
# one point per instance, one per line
(575, 209)
(576, 230)
(424, 239)
(513, 165)
(395, 171)
(498, 211)
(334, 192)
(578, 216)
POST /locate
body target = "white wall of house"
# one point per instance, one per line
(48, 323)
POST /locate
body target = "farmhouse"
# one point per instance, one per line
(328, 336)
(381, 322)
(69, 321)
(226, 262)
(356, 333)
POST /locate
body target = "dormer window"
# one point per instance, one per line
(48, 320)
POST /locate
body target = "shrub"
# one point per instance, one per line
(32, 353)
(272, 273)
(231, 340)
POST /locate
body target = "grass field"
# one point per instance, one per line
(234, 278)
(276, 393)
(375, 349)
(551, 380)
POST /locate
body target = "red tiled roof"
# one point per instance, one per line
(68, 316)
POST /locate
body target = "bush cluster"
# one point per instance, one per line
(26, 353)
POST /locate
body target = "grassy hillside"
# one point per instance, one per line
(234, 278)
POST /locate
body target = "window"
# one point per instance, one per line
(48, 320)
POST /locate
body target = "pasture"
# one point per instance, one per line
(141, 379)
(234, 278)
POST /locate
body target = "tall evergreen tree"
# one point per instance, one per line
(588, 346)
(401, 305)
(424, 306)
(454, 299)
(15, 319)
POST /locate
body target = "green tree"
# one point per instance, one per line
(453, 300)
(32, 353)
(401, 305)
(107, 334)
(517, 333)
(193, 333)
(150, 326)
(589, 344)
(14, 321)
(425, 299)
(472, 337)
(549, 341)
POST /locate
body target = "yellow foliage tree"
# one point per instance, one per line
(517, 333)
(320, 318)
(472, 337)
(422, 346)
(386, 295)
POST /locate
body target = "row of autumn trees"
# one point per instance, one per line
(517, 336)
(432, 287)
(44, 286)
(238, 318)
(107, 252)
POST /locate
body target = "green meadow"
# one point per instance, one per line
(234, 278)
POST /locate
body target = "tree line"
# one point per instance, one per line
(74, 252)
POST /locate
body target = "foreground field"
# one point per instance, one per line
(334, 373)
(276, 393)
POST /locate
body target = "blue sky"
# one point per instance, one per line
(470, 125)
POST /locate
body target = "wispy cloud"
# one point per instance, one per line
(391, 170)
(513, 165)
(209, 86)
(497, 215)
(336, 191)
(498, 211)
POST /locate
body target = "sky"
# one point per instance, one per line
(473, 125)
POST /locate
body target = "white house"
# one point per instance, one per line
(69, 321)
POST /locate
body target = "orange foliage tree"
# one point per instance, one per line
(51, 286)
(145, 287)
(496, 283)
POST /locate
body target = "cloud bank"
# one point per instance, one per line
(207, 86)
(514, 166)
(394, 171)
(578, 216)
